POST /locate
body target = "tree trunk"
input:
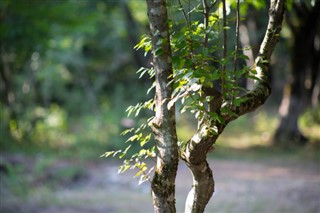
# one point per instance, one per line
(297, 94)
(202, 188)
(197, 148)
(5, 79)
(195, 158)
(163, 125)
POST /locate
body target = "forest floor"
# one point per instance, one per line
(243, 185)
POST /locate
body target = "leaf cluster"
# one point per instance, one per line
(198, 62)
(141, 136)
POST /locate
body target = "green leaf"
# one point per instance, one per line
(115, 153)
(142, 71)
(135, 137)
(125, 152)
(126, 131)
(144, 42)
(159, 51)
(107, 154)
(145, 140)
(124, 168)
(152, 87)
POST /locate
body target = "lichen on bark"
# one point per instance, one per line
(163, 182)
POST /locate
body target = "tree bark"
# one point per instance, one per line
(298, 92)
(197, 148)
(163, 125)
(5, 79)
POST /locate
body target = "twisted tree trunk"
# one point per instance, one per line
(163, 125)
(198, 147)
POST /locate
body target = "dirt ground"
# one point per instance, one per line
(242, 186)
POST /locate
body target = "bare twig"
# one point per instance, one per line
(206, 13)
(184, 13)
(224, 14)
(236, 49)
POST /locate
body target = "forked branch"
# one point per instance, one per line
(262, 89)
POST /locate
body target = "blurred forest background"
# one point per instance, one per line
(68, 73)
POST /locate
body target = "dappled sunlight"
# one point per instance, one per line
(69, 72)
(309, 123)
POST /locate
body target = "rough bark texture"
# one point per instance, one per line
(298, 93)
(197, 148)
(163, 126)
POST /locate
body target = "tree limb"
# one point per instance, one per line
(197, 147)
(262, 89)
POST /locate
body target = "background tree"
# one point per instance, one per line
(50, 65)
(184, 71)
(303, 80)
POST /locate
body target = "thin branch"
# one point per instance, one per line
(188, 20)
(262, 90)
(213, 4)
(184, 13)
(206, 13)
(237, 37)
(235, 60)
(224, 14)
(189, 9)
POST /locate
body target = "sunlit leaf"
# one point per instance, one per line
(126, 131)
(107, 154)
(125, 152)
(124, 168)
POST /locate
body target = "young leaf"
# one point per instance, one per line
(126, 131)
(107, 154)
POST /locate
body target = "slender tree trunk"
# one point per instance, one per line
(5, 72)
(202, 188)
(163, 126)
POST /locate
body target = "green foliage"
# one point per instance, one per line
(197, 63)
(140, 136)
(258, 5)
(68, 75)
(196, 46)
(144, 43)
(309, 122)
